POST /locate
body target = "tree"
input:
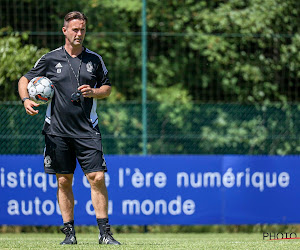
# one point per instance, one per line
(15, 60)
(239, 60)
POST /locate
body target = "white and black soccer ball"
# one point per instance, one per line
(40, 89)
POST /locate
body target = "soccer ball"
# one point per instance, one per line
(40, 89)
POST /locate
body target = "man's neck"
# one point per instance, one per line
(73, 51)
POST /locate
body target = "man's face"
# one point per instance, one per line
(75, 32)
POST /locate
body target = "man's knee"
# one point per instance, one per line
(64, 181)
(96, 178)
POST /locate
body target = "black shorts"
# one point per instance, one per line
(61, 153)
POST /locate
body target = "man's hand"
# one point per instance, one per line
(28, 105)
(87, 91)
(99, 93)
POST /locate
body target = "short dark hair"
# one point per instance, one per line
(74, 15)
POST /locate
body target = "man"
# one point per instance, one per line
(71, 127)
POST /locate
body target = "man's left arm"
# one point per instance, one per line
(99, 93)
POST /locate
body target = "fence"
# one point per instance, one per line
(207, 93)
(172, 129)
(243, 68)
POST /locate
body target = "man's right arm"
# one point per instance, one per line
(28, 104)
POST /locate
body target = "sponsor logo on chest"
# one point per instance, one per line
(58, 68)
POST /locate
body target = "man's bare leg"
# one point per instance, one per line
(65, 196)
(99, 193)
(100, 202)
(65, 199)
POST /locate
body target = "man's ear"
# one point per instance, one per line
(64, 29)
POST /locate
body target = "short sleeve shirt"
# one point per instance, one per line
(64, 117)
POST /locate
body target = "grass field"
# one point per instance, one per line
(149, 241)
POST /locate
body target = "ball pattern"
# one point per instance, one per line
(40, 89)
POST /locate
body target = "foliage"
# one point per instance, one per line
(174, 127)
(244, 52)
(15, 60)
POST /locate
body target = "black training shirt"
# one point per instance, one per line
(64, 117)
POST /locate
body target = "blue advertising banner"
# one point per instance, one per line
(164, 190)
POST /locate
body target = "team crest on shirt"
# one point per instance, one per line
(47, 161)
(89, 67)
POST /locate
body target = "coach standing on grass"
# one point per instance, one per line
(71, 123)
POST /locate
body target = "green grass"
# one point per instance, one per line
(148, 241)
